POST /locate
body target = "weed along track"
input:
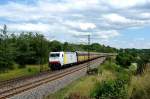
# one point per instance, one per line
(9, 92)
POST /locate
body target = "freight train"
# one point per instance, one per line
(57, 60)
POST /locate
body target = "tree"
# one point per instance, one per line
(34, 48)
(6, 51)
(95, 47)
(55, 46)
(66, 46)
(124, 59)
(31, 49)
(143, 60)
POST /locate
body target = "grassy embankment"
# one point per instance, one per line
(19, 72)
(84, 85)
(111, 81)
(140, 85)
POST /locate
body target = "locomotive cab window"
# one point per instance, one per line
(54, 55)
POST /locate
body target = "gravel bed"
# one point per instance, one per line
(53, 86)
(22, 82)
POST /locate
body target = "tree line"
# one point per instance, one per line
(33, 48)
(140, 56)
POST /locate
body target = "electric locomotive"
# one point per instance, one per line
(62, 59)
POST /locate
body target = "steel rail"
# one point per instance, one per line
(13, 91)
(31, 86)
(6, 83)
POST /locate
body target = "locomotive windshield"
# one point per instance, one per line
(54, 55)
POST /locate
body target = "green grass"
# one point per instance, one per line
(140, 86)
(83, 86)
(136, 87)
(19, 72)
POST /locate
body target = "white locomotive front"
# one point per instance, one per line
(60, 59)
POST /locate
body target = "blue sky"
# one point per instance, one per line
(117, 23)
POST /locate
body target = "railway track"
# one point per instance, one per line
(35, 83)
(18, 79)
(9, 83)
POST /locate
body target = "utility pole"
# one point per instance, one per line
(88, 66)
(88, 36)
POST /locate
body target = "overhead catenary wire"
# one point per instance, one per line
(89, 37)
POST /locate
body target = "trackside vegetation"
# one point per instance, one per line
(30, 48)
(21, 72)
(112, 81)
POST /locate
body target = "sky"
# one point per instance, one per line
(117, 23)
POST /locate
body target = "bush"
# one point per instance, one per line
(110, 65)
(22, 66)
(133, 68)
(125, 59)
(29, 70)
(112, 89)
(124, 74)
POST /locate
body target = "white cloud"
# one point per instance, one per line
(108, 34)
(121, 22)
(145, 15)
(1, 27)
(105, 17)
(80, 25)
(124, 3)
(50, 7)
(86, 26)
(115, 18)
(39, 27)
(82, 4)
